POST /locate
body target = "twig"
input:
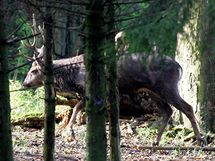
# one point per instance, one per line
(132, 2)
(20, 66)
(11, 35)
(16, 39)
(21, 89)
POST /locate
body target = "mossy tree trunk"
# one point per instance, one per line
(196, 55)
(95, 82)
(5, 125)
(113, 101)
(49, 131)
(207, 77)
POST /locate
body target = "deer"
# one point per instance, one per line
(156, 73)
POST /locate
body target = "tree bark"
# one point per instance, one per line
(113, 100)
(207, 78)
(95, 83)
(187, 54)
(49, 131)
(6, 153)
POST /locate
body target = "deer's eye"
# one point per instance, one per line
(34, 71)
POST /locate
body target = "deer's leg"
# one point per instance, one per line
(187, 109)
(166, 112)
(71, 135)
(78, 107)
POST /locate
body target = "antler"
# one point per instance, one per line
(42, 33)
(28, 43)
(38, 51)
(34, 31)
(41, 49)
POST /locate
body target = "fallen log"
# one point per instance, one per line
(36, 122)
(136, 104)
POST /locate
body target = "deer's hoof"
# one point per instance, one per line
(69, 134)
(155, 143)
(71, 139)
(201, 142)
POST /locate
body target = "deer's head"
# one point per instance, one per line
(35, 75)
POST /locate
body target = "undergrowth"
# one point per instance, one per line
(25, 103)
(175, 136)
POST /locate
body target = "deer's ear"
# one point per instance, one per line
(41, 52)
(39, 63)
(30, 59)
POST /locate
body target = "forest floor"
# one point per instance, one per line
(28, 145)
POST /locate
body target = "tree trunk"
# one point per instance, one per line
(207, 77)
(95, 83)
(113, 100)
(60, 36)
(49, 131)
(6, 153)
(73, 40)
(67, 42)
(187, 54)
(198, 79)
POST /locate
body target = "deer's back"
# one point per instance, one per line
(156, 73)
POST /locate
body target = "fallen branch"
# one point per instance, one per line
(172, 148)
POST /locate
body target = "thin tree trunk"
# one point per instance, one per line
(95, 83)
(113, 100)
(5, 126)
(113, 109)
(49, 132)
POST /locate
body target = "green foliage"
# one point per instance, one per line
(158, 25)
(19, 73)
(25, 103)
(25, 29)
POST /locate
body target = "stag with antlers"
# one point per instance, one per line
(133, 74)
